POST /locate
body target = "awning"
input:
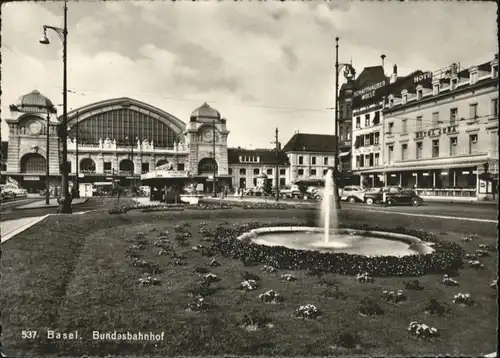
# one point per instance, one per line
(343, 154)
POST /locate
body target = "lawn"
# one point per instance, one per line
(71, 273)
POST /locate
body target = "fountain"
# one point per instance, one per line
(329, 214)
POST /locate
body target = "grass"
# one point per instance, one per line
(70, 273)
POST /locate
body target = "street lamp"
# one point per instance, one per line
(349, 71)
(132, 180)
(65, 201)
(76, 189)
(47, 169)
(214, 192)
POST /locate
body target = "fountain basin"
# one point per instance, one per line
(349, 241)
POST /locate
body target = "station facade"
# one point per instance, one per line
(128, 141)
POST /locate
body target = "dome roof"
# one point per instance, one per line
(34, 102)
(205, 112)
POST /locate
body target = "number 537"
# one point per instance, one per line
(28, 334)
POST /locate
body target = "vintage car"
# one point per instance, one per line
(393, 196)
(352, 194)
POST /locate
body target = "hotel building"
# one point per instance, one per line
(441, 133)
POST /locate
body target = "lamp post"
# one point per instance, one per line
(65, 201)
(47, 169)
(348, 72)
(214, 191)
(276, 175)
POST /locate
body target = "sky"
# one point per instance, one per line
(263, 65)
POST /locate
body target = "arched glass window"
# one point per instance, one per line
(127, 166)
(87, 165)
(33, 163)
(207, 166)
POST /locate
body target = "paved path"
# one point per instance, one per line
(52, 204)
(10, 228)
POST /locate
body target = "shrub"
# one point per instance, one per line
(198, 305)
(270, 297)
(348, 339)
(369, 307)
(448, 281)
(307, 312)
(288, 277)
(435, 307)
(422, 331)
(255, 320)
(463, 299)
(248, 285)
(249, 276)
(149, 281)
(393, 296)
(413, 285)
(201, 289)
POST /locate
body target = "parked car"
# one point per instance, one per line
(7, 194)
(353, 194)
(290, 192)
(394, 196)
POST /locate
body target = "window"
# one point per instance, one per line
(256, 171)
(243, 171)
(325, 161)
(473, 78)
(144, 167)
(229, 171)
(435, 90)
(420, 94)
(180, 166)
(376, 138)
(254, 181)
(376, 118)
(419, 123)
(472, 143)
(404, 151)
(405, 98)
(419, 150)
(269, 171)
(107, 166)
(453, 115)
(494, 71)
(301, 171)
(473, 111)
(367, 120)
(390, 153)
(369, 160)
(301, 160)
(313, 171)
(435, 148)
(377, 159)
(367, 140)
(325, 171)
(404, 127)
(494, 108)
(358, 122)
(390, 126)
(453, 146)
(454, 83)
(348, 134)
(361, 161)
(435, 119)
(313, 160)
(282, 171)
(282, 182)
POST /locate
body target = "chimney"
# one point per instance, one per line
(383, 60)
(394, 75)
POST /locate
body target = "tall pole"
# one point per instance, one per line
(65, 202)
(336, 168)
(77, 179)
(276, 174)
(214, 191)
(132, 168)
(47, 173)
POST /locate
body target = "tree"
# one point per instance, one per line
(268, 186)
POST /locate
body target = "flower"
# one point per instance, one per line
(288, 277)
(210, 278)
(463, 298)
(307, 311)
(422, 330)
(364, 277)
(448, 281)
(269, 269)
(270, 296)
(248, 285)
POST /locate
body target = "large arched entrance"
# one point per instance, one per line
(87, 165)
(33, 163)
(207, 166)
(127, 167)
(161, 162)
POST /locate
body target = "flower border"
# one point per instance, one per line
(446, 255)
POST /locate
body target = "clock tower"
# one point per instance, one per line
(206, 139)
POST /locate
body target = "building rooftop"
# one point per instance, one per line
(304, 142)
(205, 112)
(267, 156)
(33, 102)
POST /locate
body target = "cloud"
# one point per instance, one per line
(247, 59)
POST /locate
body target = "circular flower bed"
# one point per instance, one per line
(446, 255)
(307, 312)
(422, 331)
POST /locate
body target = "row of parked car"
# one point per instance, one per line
(390, 195)
(8, 192)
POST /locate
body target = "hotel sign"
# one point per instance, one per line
(165, 174)
(422, 77)
(369, 92)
